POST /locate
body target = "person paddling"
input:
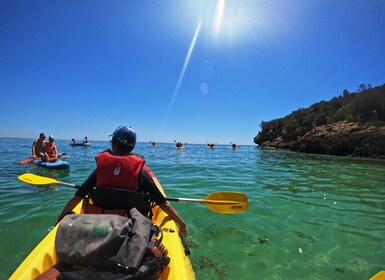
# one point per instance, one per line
(117, 170)
(120, 169)
(211, 146)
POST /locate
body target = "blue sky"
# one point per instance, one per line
(191, 70)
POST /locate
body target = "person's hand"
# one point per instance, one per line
(183, 229)
(58, 220)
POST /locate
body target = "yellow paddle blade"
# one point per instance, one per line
(227, 202)
(36, 180)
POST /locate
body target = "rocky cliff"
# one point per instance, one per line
(352, 124)
(340, 138)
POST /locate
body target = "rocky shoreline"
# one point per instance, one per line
(341, 138)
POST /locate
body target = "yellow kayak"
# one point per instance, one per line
(379, 276)
(44, 255)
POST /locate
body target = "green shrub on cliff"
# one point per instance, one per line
(367, 105)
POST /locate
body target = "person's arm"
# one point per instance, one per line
(55, 152)
(33, 149)
(71, 204)
(147, 184)
(166, 207)
(81, 193)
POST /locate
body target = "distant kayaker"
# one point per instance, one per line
(38, 146)
(211, 146)
(118, 168)
(73, 141)
(85, 140)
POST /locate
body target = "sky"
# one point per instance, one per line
(193, 71)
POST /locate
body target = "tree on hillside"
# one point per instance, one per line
(366, 105)
(345, 93)
(362, 87)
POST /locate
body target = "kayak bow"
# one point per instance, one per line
(44, 255)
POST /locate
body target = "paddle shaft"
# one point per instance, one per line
(40, 180)
(167, 198)
(206, 201)
(182, 199)
(69, 185)
(221, 202)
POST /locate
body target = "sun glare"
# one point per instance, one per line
(219, 23)
(183, 71)
(219, 16)
(236, 22)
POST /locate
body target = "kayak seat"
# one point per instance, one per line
(118, 201)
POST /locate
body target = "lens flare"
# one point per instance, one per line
(181, 76)
(204, 88)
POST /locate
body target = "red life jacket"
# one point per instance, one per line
(50, 148)
(118, 172)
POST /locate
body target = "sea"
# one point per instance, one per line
(309, 216)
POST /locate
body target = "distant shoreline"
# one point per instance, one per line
(141, 142)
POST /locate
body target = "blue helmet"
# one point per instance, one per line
(125, 135)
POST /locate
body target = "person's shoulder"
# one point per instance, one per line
(138, 155)
(146, 169)
(103, 153)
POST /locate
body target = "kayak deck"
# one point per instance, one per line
(44, 255)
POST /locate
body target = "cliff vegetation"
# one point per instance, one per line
(352, 124)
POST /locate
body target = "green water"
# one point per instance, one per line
(323, 216)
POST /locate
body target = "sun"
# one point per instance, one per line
(229, 22)
(237, 22)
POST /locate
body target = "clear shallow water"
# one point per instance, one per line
(323, 216)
